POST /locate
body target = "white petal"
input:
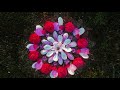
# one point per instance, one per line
(65, 36)
(33, 65)
(60, 38)
(53, 74)
(71, 69)
(85, 56)
(63, 55)
(43, 52)
(45, 41)
(50, 53)
(60, 21)
(67, 49)
(28, 46)
(81, 31)
(55, 35)
(50, 39)
(47, 47)
(73, 44)
(50, 60)
(55, 57)
(67, 41)
(38, 27)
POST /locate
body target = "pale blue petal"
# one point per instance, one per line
(63, 55)
(50, 53)
(67, 41)
(47, 47)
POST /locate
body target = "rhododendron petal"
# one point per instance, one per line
(60, 38)
(60, 21)
(70, 56)
(50, 39)
(81, 31)
(39, 27)
(63, 55)
(50, 53)
(53, 74)
(73, 44)
(67, 41)
(85, 56)
(43, 52)
(55, 35)
(55, 57)
(47, 47)
(50, 60)
(29, 45)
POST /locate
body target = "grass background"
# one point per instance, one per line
(103, 29)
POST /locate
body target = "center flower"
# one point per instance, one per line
(58, 48)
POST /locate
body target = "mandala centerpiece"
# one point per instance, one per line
(58, 49)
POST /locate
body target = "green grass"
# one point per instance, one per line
(104, 44)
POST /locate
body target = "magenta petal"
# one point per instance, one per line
(70, 56)
(76, 31)
(56, 26)
(85, 50)
(53, 74)
(39, 32)
(38, 65)
(33, 47)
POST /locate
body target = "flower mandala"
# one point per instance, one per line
(58, 49)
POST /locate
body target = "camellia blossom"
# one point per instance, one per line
(57, 48)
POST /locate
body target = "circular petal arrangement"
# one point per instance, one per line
(58, 49)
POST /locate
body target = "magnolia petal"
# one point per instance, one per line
(65, 36)
(39, 27)
(56, 26)
(29, 45)
(84, 50)
(55, 57)
(60, 61)
(63, 55)
(50, 39)
(50, 60)
(43, 52)
(55, 35)
(60, 38)
(60, 21)
(85, 56)
(50, 53)
(70, 56)
(53, 74)
(47, 47)
(44, 41)
(81, 31)
(33, 65)
(67, 41)
(73, 44)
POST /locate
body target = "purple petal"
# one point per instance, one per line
(33, 47)
(44, 58)
(44, 41)
(56, 26)
(85, 50)
(50, 60)
(65, 36)
(53, 74)
(38, 65)
(28, 46)
(73, 44)
(70, 56)
(76, 31)
(33, 65)
(63, 55)
(60, 61)
(39, 32)
(66, 61)
(55, 35)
